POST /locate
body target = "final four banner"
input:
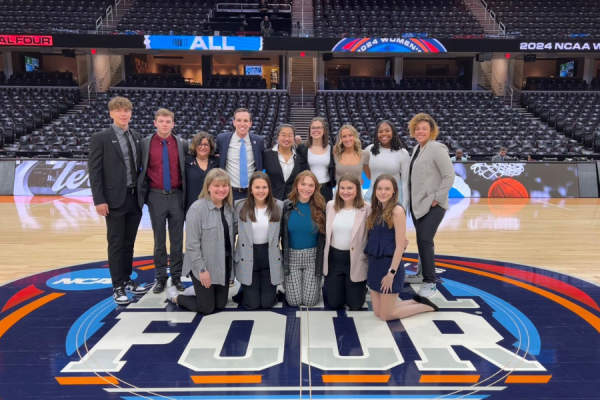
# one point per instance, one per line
(232, 43)
(389, 45)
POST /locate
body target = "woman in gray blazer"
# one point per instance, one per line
(257, 256)
(210, 233)
(431, 178)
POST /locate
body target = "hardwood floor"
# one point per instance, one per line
(43, 233)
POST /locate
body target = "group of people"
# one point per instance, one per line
(279, 203)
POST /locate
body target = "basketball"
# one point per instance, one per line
(508, 187)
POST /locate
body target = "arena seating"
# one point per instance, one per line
(50, 16)
(2, 78)
(236, 82)
(367, 83)
(194, 110)
(180, 17)
(558, 84)
(388, 83)
(432, 84)
(28, 112)
(595, 85)
(156, 81)
(383, 18)
(479, 123)
(549, 19)
(576, 115)
(40, 78)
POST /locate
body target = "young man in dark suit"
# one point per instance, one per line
(162, 187)
(240, 153)
(113, 167)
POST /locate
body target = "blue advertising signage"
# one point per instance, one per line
(233, 43)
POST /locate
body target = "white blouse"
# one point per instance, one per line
(319, 164)
(260, 228)
(341, 229)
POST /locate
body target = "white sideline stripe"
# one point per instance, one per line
(315, 389)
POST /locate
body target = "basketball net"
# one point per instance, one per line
(495, 171)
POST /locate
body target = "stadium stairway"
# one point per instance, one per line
(490, 27)
(300, 116)
(302, 12)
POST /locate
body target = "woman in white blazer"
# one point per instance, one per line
(345, 261)
(257, 256)
(431, 178)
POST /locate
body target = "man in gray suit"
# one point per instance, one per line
(501, 156)
(162, 187)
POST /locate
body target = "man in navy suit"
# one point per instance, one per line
(240, 153)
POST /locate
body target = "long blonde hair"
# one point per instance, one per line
(216, 175)
(339, 146)
(378, 212)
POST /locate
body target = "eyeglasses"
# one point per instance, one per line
(316, 128)
(204, 145)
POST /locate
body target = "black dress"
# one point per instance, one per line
(194, 178)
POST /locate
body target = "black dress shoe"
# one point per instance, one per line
(159, 286)
(178, 284)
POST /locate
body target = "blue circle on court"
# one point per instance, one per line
(90, 279)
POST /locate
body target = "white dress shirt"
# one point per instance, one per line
(232, 164)
(286, 166)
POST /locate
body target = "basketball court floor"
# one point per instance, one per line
(519, 318)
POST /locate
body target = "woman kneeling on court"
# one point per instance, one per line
(345, 262)
(385, 246)
(257, 256)
(209, 246)
(303, 241)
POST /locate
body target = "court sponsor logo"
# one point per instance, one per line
(503, 331)
(55, 178)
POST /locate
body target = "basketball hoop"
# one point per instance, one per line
(495, 171)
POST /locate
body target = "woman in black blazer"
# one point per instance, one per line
(319, 156)
(282, 163)
(197, 164)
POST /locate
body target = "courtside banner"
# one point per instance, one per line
(26, 40)
(51, 178)
(235, 43)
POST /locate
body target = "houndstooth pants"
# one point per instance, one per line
(301, 286)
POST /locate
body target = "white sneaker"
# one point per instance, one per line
(120, 296)
(427, 289)
(172, 292)
(189, 291)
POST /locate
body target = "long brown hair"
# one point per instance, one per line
(316, 202)
(325, 140)
(378, 212)
(247, 210)
(359, 202)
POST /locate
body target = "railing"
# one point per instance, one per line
(245, 6)
(302, 93)
(490, 17)
(99, 24)
(109, 13)
(490, 74)
(510, 90)
(89, 89)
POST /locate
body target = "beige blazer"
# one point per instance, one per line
(432, 177)
(358, 241)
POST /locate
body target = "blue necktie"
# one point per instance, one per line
(166, 168)
(243, 165)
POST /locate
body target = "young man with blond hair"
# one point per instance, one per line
(113, 167)
(162, 188)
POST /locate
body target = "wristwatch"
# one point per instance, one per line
(392, 271)
(203, 270)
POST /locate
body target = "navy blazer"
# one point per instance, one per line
(257, 147)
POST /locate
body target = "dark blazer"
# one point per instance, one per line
(106, 167)
(143, 184)
(285, 242)
(302, 149)
(281, 188)
(194, 177)
(257, 148)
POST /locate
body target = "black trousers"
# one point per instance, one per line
(340, 288)
(167, 208)
(239, 195)
(121, 230)
(260, 293)
(206, 301)
(327, 191)
(426, 228)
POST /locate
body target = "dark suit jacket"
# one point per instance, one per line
(257, 148)
(106, 167)
(143, 184)
(281, 189)
(302, 149)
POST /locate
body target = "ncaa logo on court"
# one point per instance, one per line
(91, 279)
(504, 331)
